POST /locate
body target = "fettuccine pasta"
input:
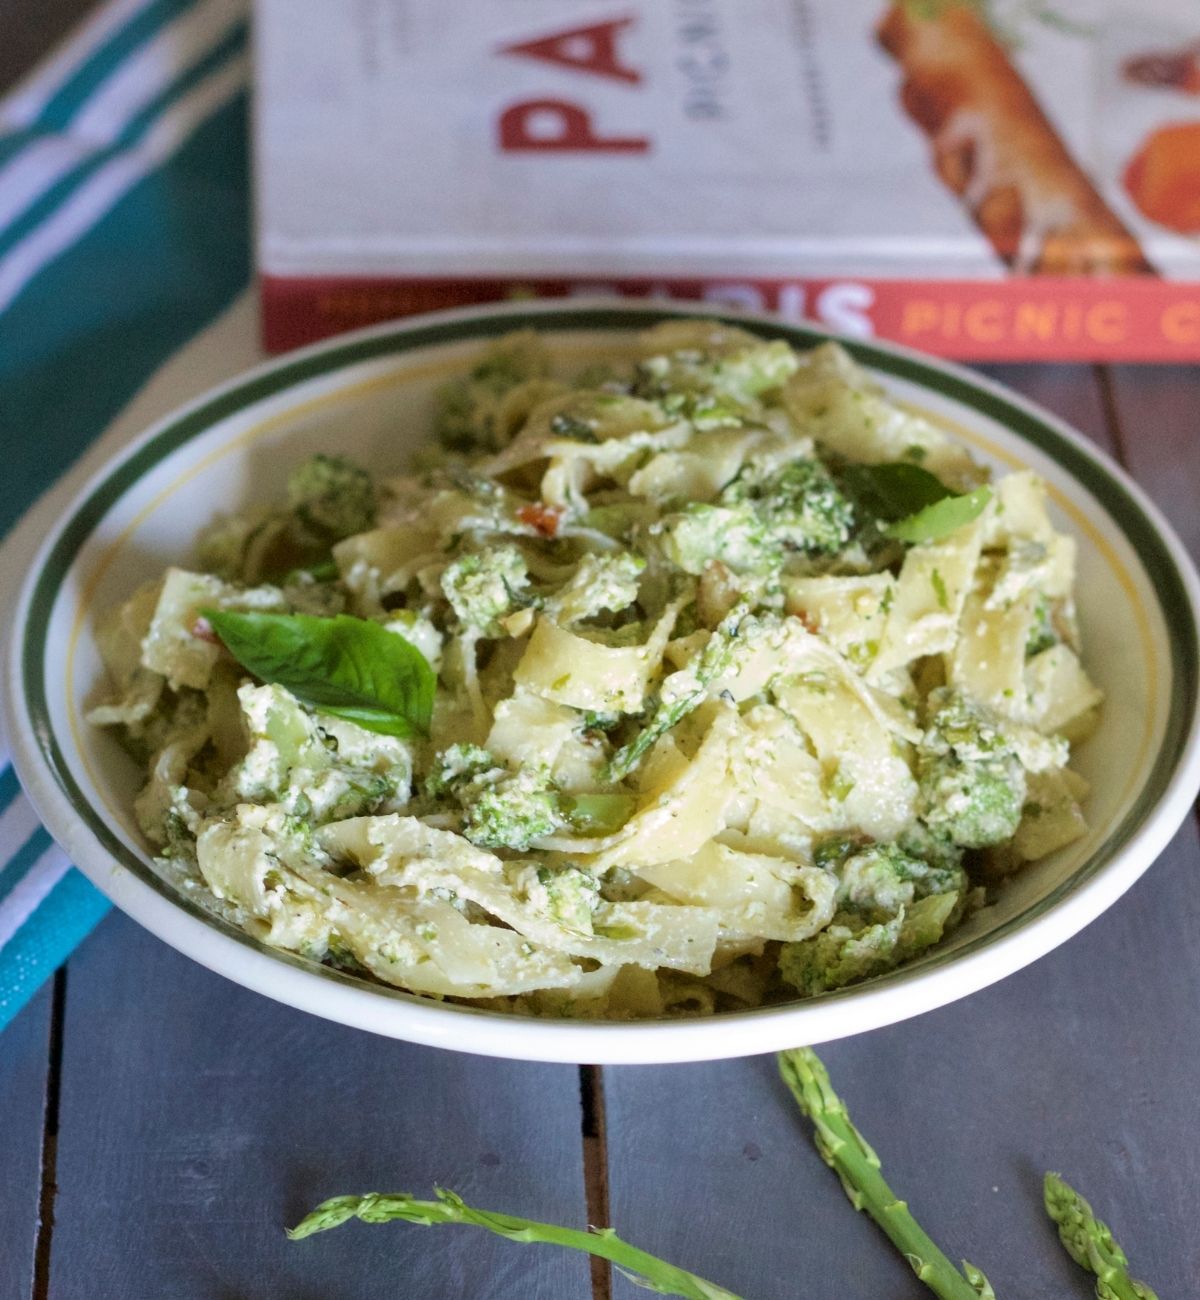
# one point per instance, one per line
(708, 681)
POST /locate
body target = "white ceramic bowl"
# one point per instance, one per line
(369, 395)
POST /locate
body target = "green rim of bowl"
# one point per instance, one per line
(1139, 529)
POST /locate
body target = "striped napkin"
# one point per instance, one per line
(123, 232)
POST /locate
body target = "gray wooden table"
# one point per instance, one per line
(159, 1126)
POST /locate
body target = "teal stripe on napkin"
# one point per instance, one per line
(18, 864)
(142, 121)
(93, 326)
(83, 331)
(65, 918)
(9, 788)
(126, 40)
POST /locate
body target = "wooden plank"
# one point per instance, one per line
(197, 1119)
(1156, 408)
(24, 1057)
(1085, 1062)
(1073, 393)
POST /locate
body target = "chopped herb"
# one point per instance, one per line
(568, 426)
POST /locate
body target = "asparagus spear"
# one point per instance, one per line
(1090, 1243)
(683, 691)
(641, 1268)
(847, 1152)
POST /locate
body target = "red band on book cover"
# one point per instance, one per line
(1022, 319)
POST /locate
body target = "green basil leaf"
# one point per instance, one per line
(941, 518)
(892, 490)
(349, 667)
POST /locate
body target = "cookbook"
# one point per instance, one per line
(989, 181)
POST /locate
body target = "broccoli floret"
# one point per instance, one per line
(695, 536)
(892, 904)
(467, 414)
(757, 520)
(971, 782)
(799, 503)
(316, 772)
(455, 767)
(509, 810)
(221, 548)
(512, 360)
(503, 809)
(332, 497)
(878, 880)
(840, 955)
(601, 582)
(483, 588)
(328, 499)
(847, 951)
(568, 894)
(959, 723)
(978, 803)
(933, 847)
(710, 372)
(458, 421)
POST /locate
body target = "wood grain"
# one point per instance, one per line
(1083, 1062)
(1073, 393)
(24, 1053)
(197, 1119)
(1158, 413)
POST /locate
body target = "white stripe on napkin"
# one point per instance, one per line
(21, 106)
(25, 897)
(100, 120)
(102, 190)
(147, 73)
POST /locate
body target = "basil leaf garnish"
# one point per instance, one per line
(915, 504)
(941, 518)
(892, 490)
(348, 667)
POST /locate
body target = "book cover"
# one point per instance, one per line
(999, 182)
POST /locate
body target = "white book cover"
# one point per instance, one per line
(589, 141)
